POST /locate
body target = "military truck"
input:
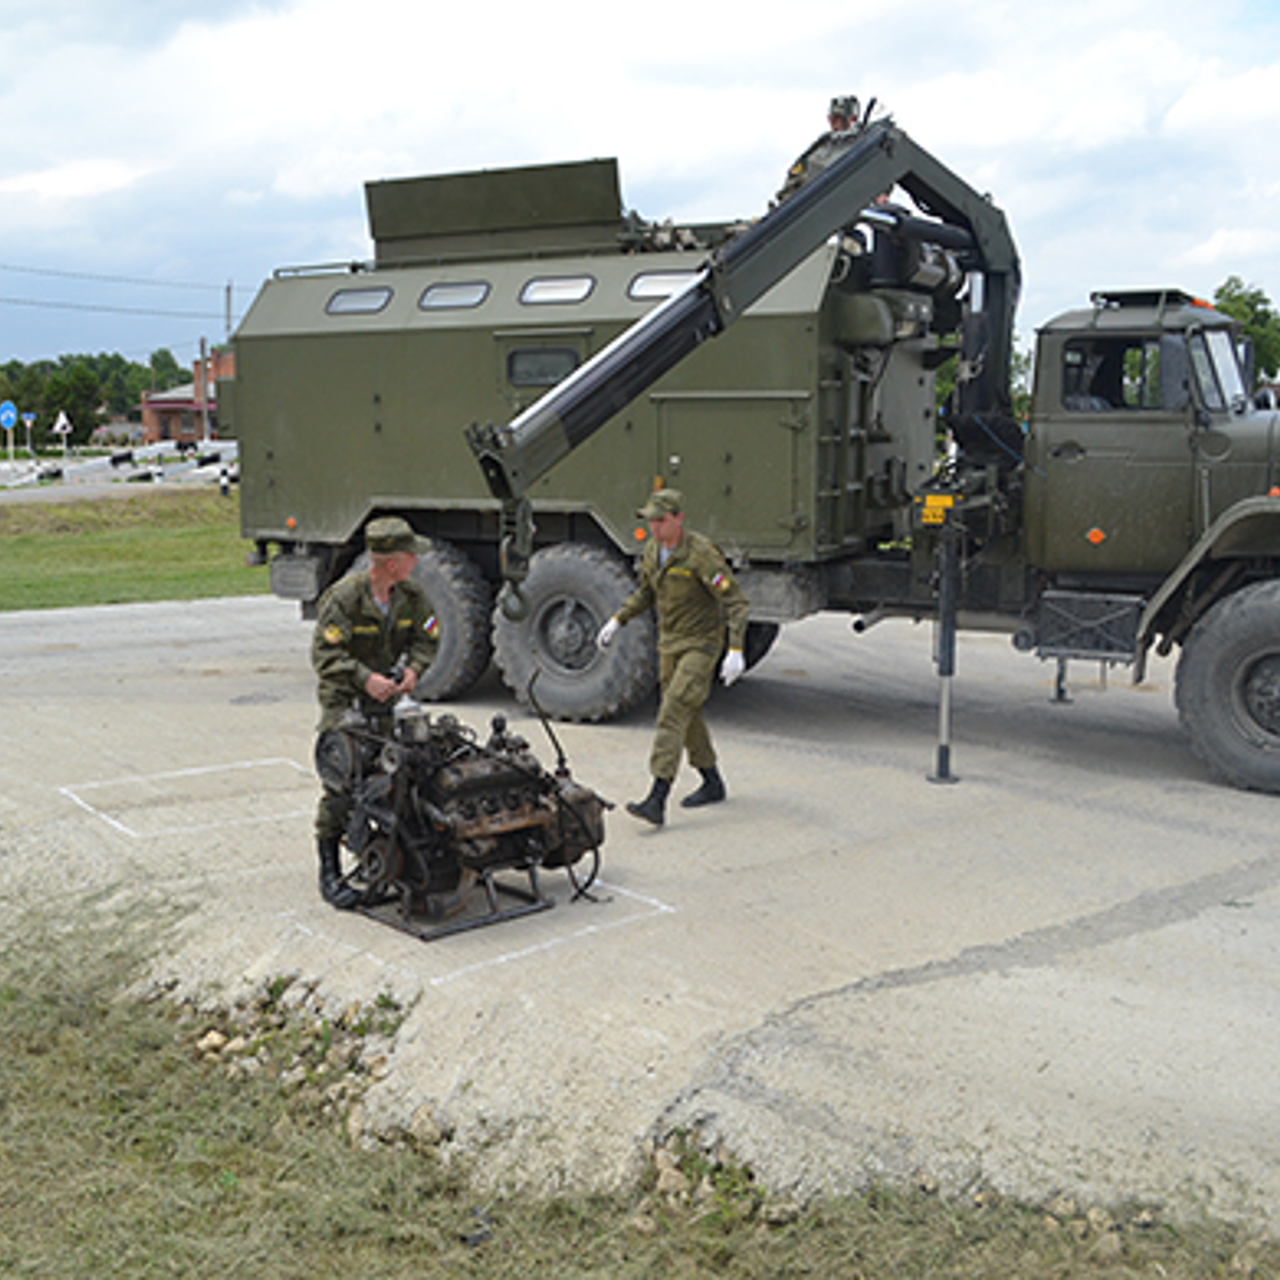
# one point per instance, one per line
(1137, 507)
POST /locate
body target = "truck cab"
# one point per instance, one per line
(1141, 435)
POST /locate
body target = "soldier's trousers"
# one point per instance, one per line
(332, 813)
(686, 678)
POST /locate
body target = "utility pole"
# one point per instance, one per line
(202, 390)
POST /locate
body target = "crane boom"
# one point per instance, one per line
(875, 158)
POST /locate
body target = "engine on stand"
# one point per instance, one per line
(436, 815)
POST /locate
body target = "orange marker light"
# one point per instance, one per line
(290, 523)
(640, 535)
(1274, 491)
(1096, 536)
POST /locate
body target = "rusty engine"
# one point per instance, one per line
(435, 814)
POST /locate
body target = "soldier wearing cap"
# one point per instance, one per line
(685, 578)
(375, 635)
(843, 118)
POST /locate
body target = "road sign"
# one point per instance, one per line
(8, 415)
(63, 425)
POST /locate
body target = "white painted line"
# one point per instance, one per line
(230, 822)
(73, 793)
(188, 773)
(655, 906)
(97, 813)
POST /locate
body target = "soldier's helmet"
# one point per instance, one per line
(845, 105)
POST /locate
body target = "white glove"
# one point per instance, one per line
(733, 666)
(607, 632)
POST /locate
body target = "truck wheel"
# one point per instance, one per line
(1228, 688)
(461, 600)
(571, 591)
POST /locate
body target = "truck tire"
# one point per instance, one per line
(1227, 688)
(461, 600)
(572, 590)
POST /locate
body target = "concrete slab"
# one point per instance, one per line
(1059, 973)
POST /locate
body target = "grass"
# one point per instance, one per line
(154, 544)
(126, 1151)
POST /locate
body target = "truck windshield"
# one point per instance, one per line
(1226, 362)
(1217, 369)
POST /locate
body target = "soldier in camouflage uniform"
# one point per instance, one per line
(686, 579)
(843, 119)
(369, 625)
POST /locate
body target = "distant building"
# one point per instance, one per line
(190, 412)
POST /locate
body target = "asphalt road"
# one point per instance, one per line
(1059, 973)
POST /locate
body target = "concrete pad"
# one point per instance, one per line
(1058, 973)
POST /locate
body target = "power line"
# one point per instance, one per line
(131, 280)
(93, 306)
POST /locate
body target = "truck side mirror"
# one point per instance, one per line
(1248, 361)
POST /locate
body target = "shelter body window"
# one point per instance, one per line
(540, 366)
(550, 290)
(658, 284)
(448, 297)
(358, 302)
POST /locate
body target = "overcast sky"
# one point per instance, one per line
(176, 147)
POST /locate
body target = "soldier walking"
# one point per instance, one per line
(686, 579)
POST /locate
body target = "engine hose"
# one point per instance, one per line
(580, 890)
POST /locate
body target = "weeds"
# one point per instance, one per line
(136, 1140)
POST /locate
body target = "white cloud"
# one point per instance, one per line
(1227, 246)
(228, 140)
(74, 180)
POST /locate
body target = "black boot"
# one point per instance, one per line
(653, 808)
(711, 792)
(333, 889)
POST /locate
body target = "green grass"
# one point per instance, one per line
(173, 544)
(125, 1153)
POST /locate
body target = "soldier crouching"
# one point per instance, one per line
(374, 637)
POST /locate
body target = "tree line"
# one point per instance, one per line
(89, 389)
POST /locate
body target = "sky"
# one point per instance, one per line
(157, 156)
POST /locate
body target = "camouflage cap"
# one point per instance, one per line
(662, 502)
(845, 105)
(390, 533)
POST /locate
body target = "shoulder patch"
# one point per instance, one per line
(332, 634)
(721, 582)
(431, 626)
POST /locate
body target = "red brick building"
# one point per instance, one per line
(189, 412)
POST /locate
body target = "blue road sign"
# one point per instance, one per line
(8, 415)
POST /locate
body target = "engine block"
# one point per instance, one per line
(434, 814)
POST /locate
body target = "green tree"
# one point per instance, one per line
(77, 393)
(1251, 306)
(165, 370)
(1020, 378)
